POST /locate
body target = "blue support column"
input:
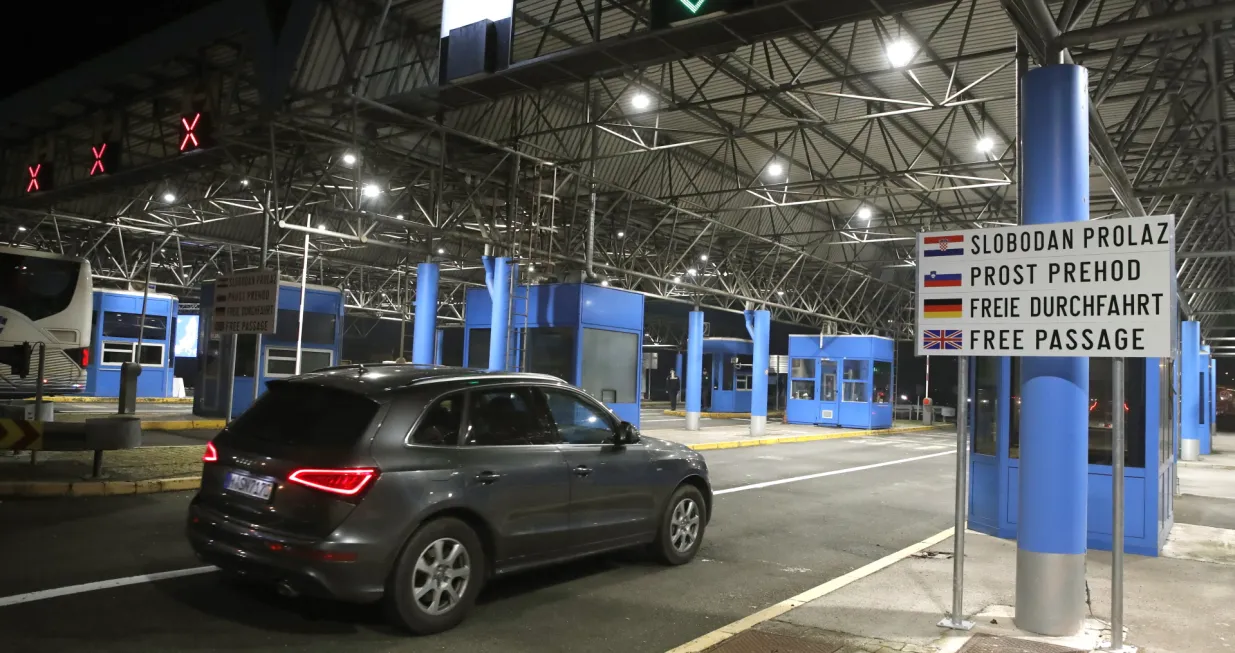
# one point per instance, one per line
(1054, 466)
(497, 280)
(438, 339)
(694, 370)
(424, 332)
(1190, 393)
(677, 365)
(759, 325)
(1207, 430)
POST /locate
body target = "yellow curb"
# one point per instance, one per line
(47, 489)
(793, 439)
(182, 424)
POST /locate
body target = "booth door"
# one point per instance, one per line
(828, 412)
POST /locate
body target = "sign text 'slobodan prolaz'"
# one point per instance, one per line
(1100, 288)
(246, 302)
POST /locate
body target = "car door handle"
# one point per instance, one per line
(583, 470)
(488, 477)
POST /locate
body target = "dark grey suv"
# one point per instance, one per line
(418, 484)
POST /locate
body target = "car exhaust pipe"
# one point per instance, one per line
(286, 590)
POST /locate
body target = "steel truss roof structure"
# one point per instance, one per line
(776, 159)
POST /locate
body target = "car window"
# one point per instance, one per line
(440, 425)
(508, 416)
(579, 422)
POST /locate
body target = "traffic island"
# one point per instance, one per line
(131, 471)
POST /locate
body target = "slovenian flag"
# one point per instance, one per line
(953, 245)
(936, 280)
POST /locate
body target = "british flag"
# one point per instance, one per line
(942, 339)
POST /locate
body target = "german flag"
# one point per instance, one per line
(942, 308)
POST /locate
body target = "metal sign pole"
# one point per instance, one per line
(957, 621)
(231, 379)
(1117, 497)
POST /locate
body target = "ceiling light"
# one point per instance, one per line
(864, 213)
(349, 158)
(371, 190)
(605, 282)
(244, 182)
(780, 293)
(985, 144)
(441, 250)
(677, 280)
(621, 234)
(900, 53)
(776, 169)
(692, 272)
(21, 228)
(703, 257)
(641, 101)
(399, 216)
(169, 197)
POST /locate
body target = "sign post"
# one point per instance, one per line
(245, 303)
(1090, 289)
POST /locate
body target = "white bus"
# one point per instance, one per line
(46, 298)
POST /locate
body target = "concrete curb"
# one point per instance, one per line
(182, 424)
(794, 439)
(86, 488)
(1200, 464)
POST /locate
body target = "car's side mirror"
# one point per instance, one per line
(627, 434)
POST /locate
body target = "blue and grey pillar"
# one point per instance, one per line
(497, 280)
(694, 370)
(1190, 392)
(759, 325)
(439, 338)
(424, 332)
(1054, 467)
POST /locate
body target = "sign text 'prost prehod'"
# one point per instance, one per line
(1100, 288)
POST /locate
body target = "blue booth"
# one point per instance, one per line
(321, 345)
(1151, 430)
(840, 381)
(585, 334)
(115, 330)
(727, 367)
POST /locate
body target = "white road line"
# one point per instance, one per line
(166, 575)
(102, 585)
(835, 472)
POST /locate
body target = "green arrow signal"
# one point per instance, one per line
(692, 5)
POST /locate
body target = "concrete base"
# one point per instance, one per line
(114, 432)
(758, 425)
(692, 421)
(1189, 449)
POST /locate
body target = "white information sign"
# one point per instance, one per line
(246, 302)
(1099, 288)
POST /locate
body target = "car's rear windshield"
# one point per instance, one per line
(297, 414)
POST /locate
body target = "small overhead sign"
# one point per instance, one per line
(1099, 288)
(246, 302)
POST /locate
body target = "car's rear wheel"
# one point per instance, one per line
(437, 578)
(681, 527)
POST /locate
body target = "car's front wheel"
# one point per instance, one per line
(681, 527)
(438, 577)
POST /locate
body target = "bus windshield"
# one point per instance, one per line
(35, 286)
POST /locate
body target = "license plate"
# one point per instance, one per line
(250, 486)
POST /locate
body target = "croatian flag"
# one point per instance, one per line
(936, 280)
(953, 245)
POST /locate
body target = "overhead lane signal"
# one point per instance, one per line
(40, 177)
(196, 131)
(106, 158)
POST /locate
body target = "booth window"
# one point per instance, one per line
(478, 348)
(319, 328)
(128, 325)
(881, 382)
(855, 381)
(1100, 412)
(802, 378)
(1166, 410)
(611, 365)
(726, 371)
(551, 351)
(246, 355)
(282, 362)
(803, 368)
(116, 353)
(986, 406)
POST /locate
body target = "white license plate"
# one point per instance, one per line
(250, 486)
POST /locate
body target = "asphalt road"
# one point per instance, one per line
(656, 420)
(764, 545)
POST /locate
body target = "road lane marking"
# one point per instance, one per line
(167, 575)
(101, 585)
(707, 641)
(835, 472)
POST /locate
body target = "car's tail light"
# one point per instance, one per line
(347, 482)
(79, 355)
(211, 455)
